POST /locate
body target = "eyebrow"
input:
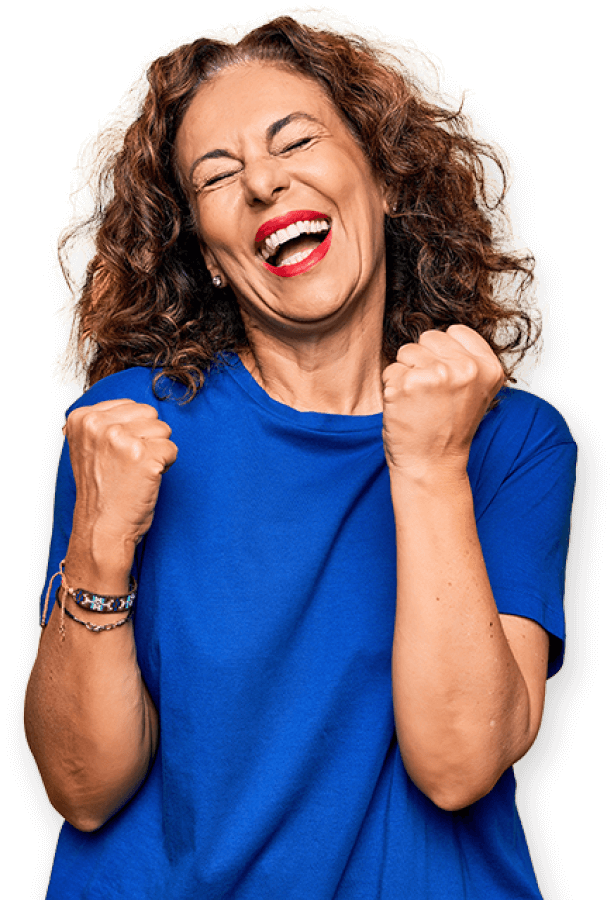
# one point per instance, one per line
(271, 133)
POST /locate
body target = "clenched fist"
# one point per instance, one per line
(119, 450)
(434, 397)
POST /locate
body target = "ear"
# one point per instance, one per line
(389, 205)
(211, 263)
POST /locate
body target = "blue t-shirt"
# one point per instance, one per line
(263, 628)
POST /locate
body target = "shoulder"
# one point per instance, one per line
(130, 384)
(523, 423)
(144, 384)
(521, 433)
(141, 384)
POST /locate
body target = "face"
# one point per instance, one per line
(288, 210)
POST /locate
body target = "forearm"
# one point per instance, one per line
(90, 722)
(461, 704)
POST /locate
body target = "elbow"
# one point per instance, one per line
(78, 814)
(459, 785)
(94, 812)
(451, 783)
(90, 813)
(452, 797)
(84, 822)
(90, 810)
(458, 770)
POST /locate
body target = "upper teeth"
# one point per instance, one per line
(273, 241)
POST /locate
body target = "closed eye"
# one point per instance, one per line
(222, 176)
(296, 145)
(217, 178)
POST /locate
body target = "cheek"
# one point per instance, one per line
(217, 217)
(213, 240)
(209, 227)
(355, 186)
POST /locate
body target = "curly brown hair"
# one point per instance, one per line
(147, 297)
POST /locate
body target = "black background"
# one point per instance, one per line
(534, 86)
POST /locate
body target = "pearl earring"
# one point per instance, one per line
(217, 281)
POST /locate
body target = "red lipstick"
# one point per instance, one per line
(296, 215)
(299, 268)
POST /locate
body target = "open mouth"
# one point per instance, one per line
(299, 241)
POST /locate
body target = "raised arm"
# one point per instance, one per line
(468, 684)
(90, 722)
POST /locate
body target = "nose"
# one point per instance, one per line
(265, 180)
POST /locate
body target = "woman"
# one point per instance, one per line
(350, 575)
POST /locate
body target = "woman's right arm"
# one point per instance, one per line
(90, 721)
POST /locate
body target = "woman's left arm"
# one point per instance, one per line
(468, 683)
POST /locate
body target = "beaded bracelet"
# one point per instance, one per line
(96, 628)
(100, 602)
(88, 600)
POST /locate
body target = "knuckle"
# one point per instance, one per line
(146, 410)
(136, 451)
(469, 370)
(405, 352)
(458, 328)
(114, 433)
(440, 372)
(426, 337)
(91, 422)
(393, 379)
(78, 416)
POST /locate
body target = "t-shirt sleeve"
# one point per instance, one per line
(63, 508)
(524, 523)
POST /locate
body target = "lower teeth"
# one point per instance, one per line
(296, 258)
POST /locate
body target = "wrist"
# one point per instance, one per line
(426, 476)
(99, 561)
(430, 495)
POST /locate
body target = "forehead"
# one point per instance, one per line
(246, 99)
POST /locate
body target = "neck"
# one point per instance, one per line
(338, 372)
